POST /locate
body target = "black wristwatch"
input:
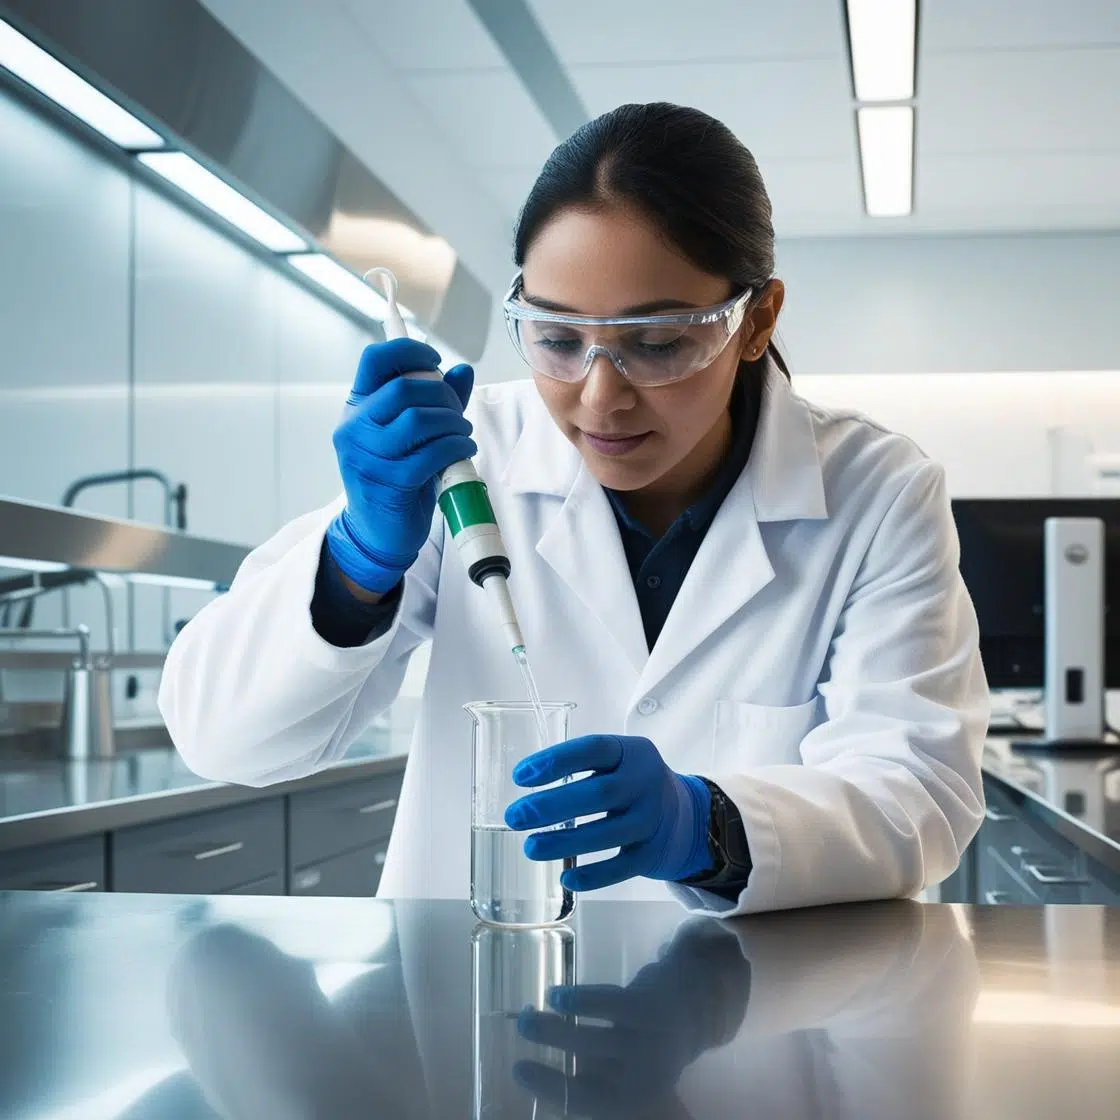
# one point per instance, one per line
(727, 840)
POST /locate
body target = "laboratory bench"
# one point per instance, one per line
(144, 1007)
(1051, 830)
(142, 822)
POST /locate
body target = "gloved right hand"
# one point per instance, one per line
(396, 436)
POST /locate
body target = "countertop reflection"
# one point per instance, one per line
(146, 1007)
(1083, 783)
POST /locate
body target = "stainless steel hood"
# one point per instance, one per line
(179, 68)
(52, 534)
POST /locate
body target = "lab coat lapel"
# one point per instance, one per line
(781, 482)
(579, 540)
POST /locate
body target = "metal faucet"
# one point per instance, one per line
(175, 497)
(174, 517)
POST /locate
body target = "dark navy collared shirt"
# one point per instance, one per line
(658, 566)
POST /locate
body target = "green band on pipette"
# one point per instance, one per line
(466, 504)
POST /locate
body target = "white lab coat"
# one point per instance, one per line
(820, 662)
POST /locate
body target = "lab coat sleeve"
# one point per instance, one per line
(889, 794)
(252, 694)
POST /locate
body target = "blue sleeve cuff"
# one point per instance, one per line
(342, 619)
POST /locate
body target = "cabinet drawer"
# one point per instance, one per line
(327, 822)
(996, 884)
(206, 853)
(270, 884)
(76, 865)
(354, 874)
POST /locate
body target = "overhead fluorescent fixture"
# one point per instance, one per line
(24, 565)
(886, 152)
(52, 79)
(882, 34)
(204, 186)
(329, 274)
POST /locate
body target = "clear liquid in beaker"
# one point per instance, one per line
(510, 890)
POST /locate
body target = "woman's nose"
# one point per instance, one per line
(604, 389)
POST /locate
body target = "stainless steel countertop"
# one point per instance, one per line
(47, 799)
(51, 799)
(148, 1007)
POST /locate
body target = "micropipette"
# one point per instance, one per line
(464, 500)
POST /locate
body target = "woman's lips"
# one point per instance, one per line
(614, 445)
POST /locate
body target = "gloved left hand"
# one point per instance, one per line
(658, 818)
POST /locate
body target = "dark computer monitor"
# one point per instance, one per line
(1002, 566)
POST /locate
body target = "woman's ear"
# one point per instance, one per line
(761, 321)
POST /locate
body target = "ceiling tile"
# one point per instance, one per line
(965, 25)
(617, 32)
(487, 115)
(1066, 100)
(781, 110)
(426, 34)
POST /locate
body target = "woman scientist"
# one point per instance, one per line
(754, 602)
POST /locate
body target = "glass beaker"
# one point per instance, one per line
(513, 970)
(508, 888)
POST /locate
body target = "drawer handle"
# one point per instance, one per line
(997, 898)
(306, 880)
(1052, 876)
(379, 806)
(69, 888)
(221, 850)
(991, 814)
(379, 858)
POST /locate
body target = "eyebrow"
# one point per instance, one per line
(650, 308)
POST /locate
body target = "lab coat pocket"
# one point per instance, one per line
(748, 735)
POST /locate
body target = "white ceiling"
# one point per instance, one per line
(1018, 105)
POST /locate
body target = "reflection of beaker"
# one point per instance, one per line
(508, 888)
(512, 970)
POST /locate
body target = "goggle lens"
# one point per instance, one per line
(647, 353)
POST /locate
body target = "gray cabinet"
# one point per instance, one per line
(355, 873)
(206, 853)
(325, 822)
(74, 865)
(338, 837)
(326, 841)
(1017, 859)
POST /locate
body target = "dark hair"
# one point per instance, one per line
(685, 171)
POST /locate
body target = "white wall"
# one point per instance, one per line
(951, 304)
(998, 434)
(238, 373)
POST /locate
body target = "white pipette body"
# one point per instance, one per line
(464, 500)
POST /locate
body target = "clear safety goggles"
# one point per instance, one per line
(647, 350)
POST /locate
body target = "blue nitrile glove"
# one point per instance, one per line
(657, 817)
(396, 436)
